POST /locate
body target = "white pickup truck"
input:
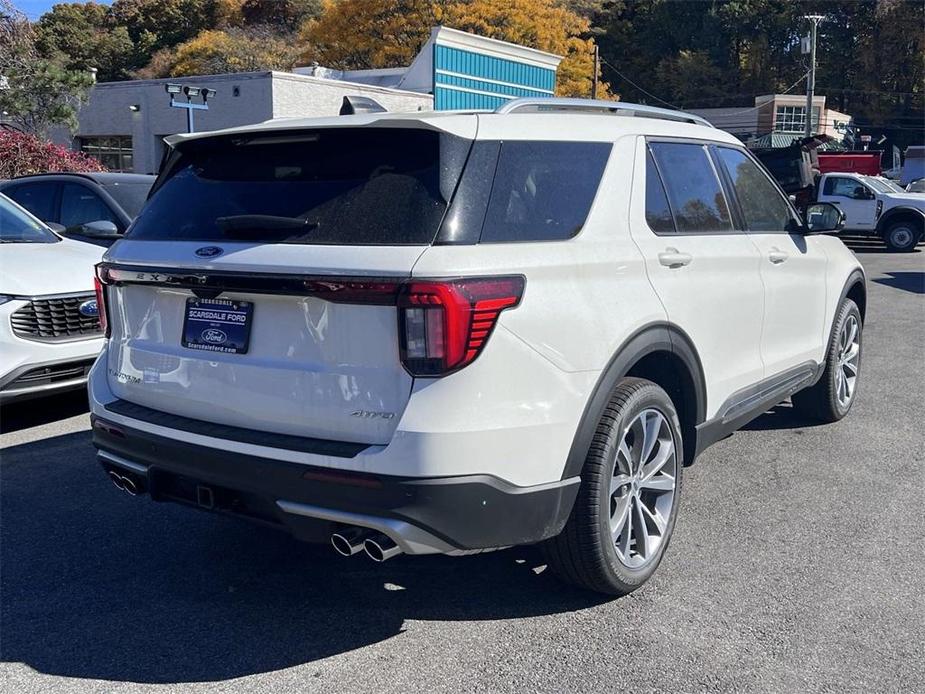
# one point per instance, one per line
(872, 207)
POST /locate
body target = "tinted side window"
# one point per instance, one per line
(80, 205)
(844, 187)
(543, 190)
(658, 213)
(694, 191)
(763, 207)
(38, 198)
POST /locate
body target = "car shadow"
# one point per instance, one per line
(97, 584)
(25, 414)
(781, 416)
(907, 281)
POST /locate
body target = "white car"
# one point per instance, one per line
(872, 207)
(454, 332)
(49, 322)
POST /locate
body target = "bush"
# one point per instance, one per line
(22, 154)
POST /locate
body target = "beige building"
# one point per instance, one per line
(783, 114)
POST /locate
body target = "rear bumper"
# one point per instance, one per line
(422, 515)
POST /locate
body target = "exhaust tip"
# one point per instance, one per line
(116, 479)
(349, 541)
(129, 485)
(380, 548)
(343, 547)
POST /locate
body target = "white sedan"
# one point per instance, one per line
(49, 320)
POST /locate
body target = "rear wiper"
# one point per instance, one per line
(247, 225)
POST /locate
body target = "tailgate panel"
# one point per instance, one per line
(313, 368)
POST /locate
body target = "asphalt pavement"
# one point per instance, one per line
(797, 565)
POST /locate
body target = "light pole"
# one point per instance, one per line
(190, 92)
(814, 19)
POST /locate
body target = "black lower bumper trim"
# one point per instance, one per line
(338, 449)
(467, 512)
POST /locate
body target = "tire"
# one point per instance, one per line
(825, 401)
(588, 552)
(902, 236)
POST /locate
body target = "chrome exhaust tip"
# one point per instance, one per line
(129, 485)
(381, 547)
(116, 479)
(349, 541)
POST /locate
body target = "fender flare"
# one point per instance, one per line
(655, 337)
(893, 212)
(856, 277)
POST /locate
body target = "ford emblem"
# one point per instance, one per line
(89, 309)
(209, 251)
(214, 336)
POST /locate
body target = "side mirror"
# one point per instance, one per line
(823, 217)
(55, 227)
(101, 229)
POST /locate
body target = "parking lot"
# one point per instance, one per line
(797, 565)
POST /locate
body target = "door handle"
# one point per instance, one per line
(672, 258)
(777, 256)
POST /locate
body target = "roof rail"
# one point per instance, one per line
(619, 108)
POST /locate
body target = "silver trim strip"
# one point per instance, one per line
(410, 538)
(542, 104)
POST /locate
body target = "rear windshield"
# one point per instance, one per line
(385, 186)
(130, 196)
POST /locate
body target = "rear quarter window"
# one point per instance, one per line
(543, 191)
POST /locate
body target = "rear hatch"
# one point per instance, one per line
(257, 287)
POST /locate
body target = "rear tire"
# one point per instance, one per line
(902, 237)
(832, 396)
(631, 477)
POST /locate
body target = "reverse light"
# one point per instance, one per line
(99, 285)
(443, 325)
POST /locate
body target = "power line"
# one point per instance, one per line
(649, 94)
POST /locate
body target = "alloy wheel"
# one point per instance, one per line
(642, 488)
(849, 354)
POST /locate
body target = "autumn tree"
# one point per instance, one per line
(361, 34)
(231, 50)
(364, 34)
(542, 24)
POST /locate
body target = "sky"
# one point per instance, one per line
(34, 9)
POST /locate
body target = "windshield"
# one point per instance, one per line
(130, 196)
(366, 186)
(17, 226)
(879, 186)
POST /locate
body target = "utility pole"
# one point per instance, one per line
(814, 19)
(597, 66)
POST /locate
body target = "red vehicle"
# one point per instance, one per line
(850, 162)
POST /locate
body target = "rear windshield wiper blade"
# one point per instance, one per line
(260, 226)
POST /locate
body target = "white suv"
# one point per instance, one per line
(453, 332)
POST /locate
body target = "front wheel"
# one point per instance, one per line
(902, 237)
(627, 504)
(831, 398)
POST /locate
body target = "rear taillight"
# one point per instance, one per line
(99, 284)
(443, 325)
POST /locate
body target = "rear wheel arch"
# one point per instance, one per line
(661, 353)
